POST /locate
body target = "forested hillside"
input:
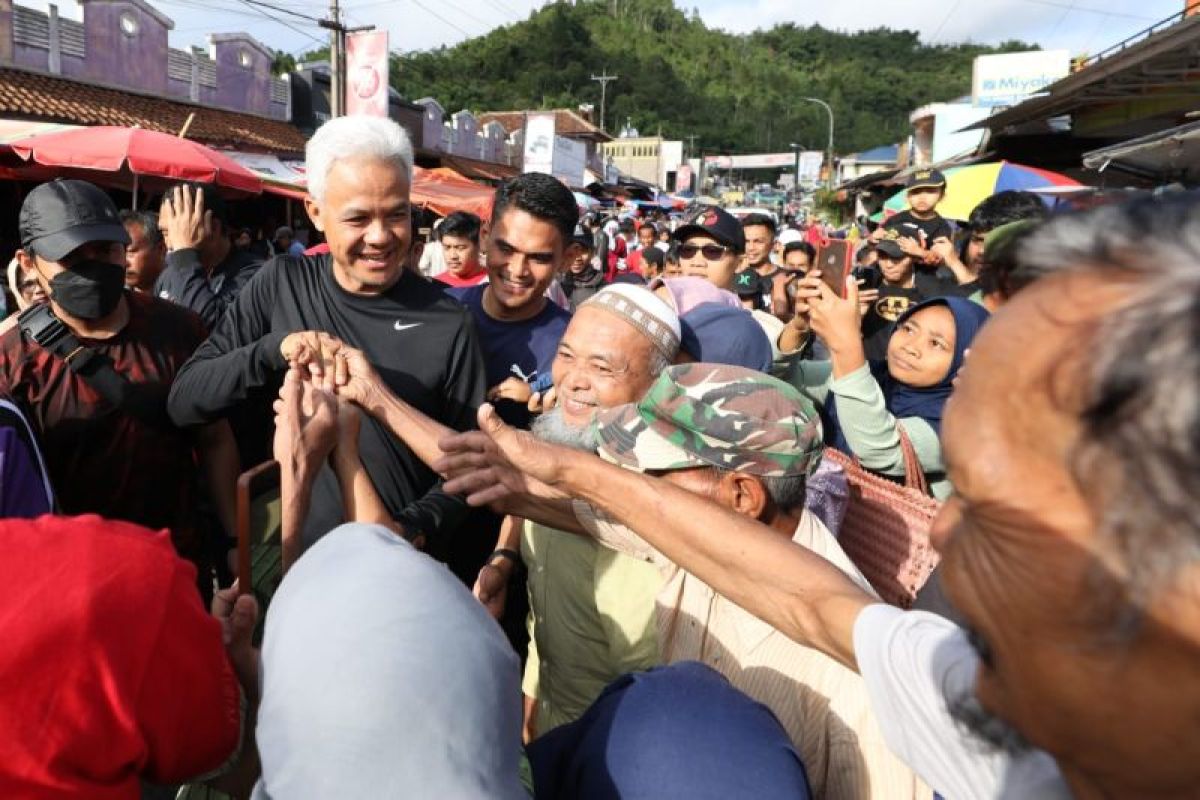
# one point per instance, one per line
(733, 93)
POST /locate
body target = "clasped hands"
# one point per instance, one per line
(315, 412)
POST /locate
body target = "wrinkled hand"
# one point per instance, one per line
(496, 462)
(238, 614)
(835, 319)
(541, 402)
(491, 589)
(185, 219)
(354, 378)
(316, 353)
(513, 389)
(305, 425)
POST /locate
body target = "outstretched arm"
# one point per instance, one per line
(791, 588)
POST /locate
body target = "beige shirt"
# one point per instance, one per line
(823, 705)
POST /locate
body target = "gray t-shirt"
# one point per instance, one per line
(914, 663)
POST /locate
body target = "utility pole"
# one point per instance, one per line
(691, 137)
(337, 70)
(337, 57)
(604, 79)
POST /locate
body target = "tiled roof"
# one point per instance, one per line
(566, 122)
(37, 96)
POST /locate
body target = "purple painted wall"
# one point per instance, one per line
(137, 61)
(31, 57)
(243, 87)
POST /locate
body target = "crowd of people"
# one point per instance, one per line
(560, 498)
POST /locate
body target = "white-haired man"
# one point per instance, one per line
(301, 310)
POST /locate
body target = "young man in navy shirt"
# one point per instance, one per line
(531, 239)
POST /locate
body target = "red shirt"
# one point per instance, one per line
(100, 460)
(110, 670)
(450, 279)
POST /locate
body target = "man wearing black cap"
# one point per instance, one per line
(711, 244)
(920, 223)
(92, 369)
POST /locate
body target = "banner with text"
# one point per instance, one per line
(367, 73)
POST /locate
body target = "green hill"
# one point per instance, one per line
(732, 92)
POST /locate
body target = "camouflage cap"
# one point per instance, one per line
(711, 415)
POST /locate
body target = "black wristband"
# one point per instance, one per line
(504, 552)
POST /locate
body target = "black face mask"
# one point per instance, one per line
(89, 289)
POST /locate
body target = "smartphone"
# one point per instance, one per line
(834, 258)
(868, 277)
(258, 515)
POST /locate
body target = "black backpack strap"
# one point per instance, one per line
(147, 402)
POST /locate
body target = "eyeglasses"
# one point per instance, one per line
(712, 252)
(26, 287)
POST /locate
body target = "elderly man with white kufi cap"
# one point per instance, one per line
(592, 609)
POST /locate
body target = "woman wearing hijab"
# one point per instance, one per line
(384, 677)
(867, 403)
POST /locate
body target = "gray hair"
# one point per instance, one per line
(1139, 450)
(354, 137)
(787, 492)
(148, 221)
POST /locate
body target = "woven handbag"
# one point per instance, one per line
(886, 528)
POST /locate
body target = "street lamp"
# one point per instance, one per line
(825, 105)
(798, 148)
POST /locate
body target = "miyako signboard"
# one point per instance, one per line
(1008, 78)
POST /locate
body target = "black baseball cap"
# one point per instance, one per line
(716, 223)
(890, 248)
(926, 179)
(63, 215)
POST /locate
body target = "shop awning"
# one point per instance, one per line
(1170, 155)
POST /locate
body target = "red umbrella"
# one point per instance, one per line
(105, 148)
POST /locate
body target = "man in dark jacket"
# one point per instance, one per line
(204, 270)
(300, 310)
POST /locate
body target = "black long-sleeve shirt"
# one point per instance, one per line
(185, 282)
(422, 344)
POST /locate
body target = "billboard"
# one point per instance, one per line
(1008, 78)
(810, 166)
(570, 160)
(539, 143)
(367, 73)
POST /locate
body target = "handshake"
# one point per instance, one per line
(316, 414)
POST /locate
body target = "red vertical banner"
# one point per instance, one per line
(367, 73)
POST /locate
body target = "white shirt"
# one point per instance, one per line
(914, 663)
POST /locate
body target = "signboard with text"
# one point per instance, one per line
(539, 143)
(1006, 79)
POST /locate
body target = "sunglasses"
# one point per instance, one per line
(712, 252)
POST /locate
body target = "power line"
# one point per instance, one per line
(436, 15)
(1073, 7)
(945, 19)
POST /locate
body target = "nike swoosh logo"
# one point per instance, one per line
(400, 327)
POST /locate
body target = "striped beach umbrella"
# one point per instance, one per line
(967, 186)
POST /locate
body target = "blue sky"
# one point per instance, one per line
(1081, 26)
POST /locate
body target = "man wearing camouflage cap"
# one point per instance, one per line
(750, 443)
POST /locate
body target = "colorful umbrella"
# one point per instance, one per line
(136, 152)
(967, 186)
